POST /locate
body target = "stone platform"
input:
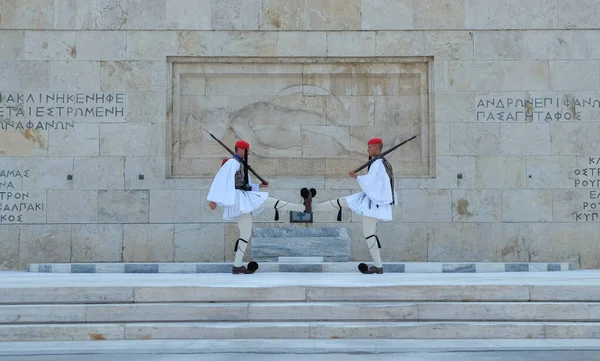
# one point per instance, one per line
(288, 264)
(332, 244)
(80, 307)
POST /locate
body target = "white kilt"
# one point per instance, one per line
(245, 202)
(360, 204)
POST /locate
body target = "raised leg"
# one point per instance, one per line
(280, 205)
(330, 205)
(333, 204)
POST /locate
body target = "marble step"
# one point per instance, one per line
(301, 311)
(290, 265)
(257, 349)
(301, 330)
(230, 292)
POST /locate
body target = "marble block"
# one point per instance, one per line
(68, 332)
(333, 244)
(178, 12)
(225, 294)
(44, 243)
(116, 206)
(333, 311)
(300, 267)
(97, 242)
(198, 242)
(9, 246)
(49, 45)
(519, 14)
(439, 14)
(148, 242)
(235, 15)
(387, 14)
(221, 330)
(101, 45)
(459, 268)
(302, 43)
(300, 259)
(486, 14)
(133, 14)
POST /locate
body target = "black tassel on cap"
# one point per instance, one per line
(339, 217)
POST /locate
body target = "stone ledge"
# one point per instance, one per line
(335, 267)
(307, 347)
(299, 330)
(292, 311)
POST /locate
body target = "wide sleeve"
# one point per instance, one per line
(376, 184)
(222, 189)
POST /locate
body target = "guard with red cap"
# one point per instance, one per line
(375, 141)
(232, 188)
(373, 203)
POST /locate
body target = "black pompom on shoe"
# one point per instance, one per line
(364, 269)
(304, 192)
(253, 266)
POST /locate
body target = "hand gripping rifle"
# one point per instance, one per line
(232, 153)
(381, 155)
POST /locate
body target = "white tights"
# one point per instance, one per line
(245, 225)
(369, 225)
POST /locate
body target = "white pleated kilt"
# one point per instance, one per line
(245, 202)
(360, 204)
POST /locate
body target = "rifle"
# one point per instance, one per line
(232, 153)
(381, 155)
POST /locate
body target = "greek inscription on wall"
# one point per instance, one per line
(588, 178)
(57, 110)
(535, 109)
(18, 206)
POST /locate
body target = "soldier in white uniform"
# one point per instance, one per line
(232, 189)
(373, 203)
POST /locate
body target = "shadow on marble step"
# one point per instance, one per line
(295, 266)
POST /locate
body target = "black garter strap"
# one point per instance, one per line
(377, 239)
(276, 211)
(339, 217)
(237, 242)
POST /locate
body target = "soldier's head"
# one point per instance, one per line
(374, 146)
(241, 148)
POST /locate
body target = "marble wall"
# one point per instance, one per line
(94, 94)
